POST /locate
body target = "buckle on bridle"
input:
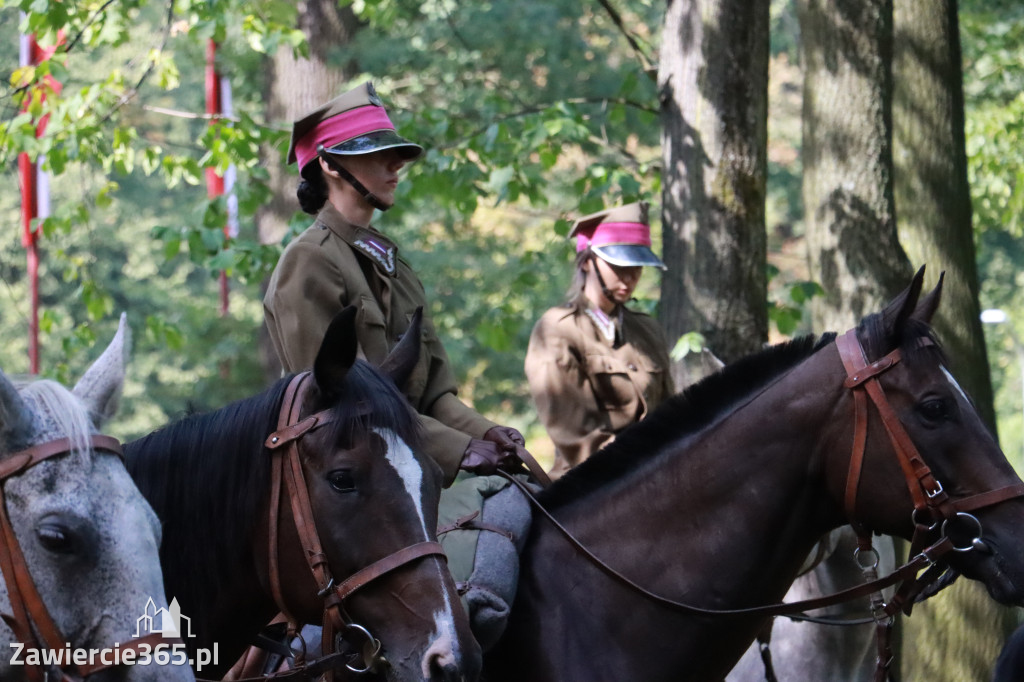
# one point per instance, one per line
(932, 494)
(326, 590)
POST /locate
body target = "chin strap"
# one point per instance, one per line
(369, 196)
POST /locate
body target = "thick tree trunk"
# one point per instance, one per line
(849, 213)
(713, 83)
(847, 186)
(957, 635)
(295, 86)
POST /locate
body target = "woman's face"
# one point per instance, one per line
(620, 281)
(378, 171)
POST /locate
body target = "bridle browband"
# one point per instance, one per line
(288, 480)
(931, 504)
(30, 616)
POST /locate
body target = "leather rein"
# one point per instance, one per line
(30, 615)
(287, 480)
(933, 509)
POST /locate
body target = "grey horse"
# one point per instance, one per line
(811, 652)
(89, 538)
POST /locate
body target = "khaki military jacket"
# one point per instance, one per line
(334, 264)
(591, 378)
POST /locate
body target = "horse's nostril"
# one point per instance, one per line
(441, 671)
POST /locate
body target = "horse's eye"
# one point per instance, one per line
(342, 480)
(55, 538)
(935, 411)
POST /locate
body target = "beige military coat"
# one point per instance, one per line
(334, 264)
(591, 378)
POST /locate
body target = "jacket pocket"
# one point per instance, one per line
(612, 383)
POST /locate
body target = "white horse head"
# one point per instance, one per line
(89, 538)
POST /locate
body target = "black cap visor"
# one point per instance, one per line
(628, 255)
(377, 141)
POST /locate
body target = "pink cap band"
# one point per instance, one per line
(337, 129)
(615, 233)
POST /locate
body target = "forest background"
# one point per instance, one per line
(532, 111)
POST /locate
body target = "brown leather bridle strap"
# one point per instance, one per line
(388, 564)
(276, 484)
(862, 378)
(288, 469)
(24, 459)
(30, 614)
(908, 571)
(987, 499)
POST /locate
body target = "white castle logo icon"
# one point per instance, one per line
(165, 621)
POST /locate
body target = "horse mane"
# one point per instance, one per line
(57, 412)
(688, 412)
(207, 476)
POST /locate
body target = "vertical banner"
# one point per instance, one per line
(218, 105)
(215, 181)
(35, 190)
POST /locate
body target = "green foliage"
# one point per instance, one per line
(540, 108)
(993, 49)
(690, 342)
(788, 309)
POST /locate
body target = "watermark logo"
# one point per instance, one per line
(163, 621)
(169, 622)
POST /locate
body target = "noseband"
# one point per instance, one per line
(287, 479)
(30, 615)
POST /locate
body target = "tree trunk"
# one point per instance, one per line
(295, 86)
(849, 213)
(957, 635)
(713, 85)
(847, 184)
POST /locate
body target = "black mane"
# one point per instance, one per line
(685, 413)
(207, 476)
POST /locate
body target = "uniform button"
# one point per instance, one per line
(632, 367)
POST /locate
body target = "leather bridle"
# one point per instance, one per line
(933, 511)
(30, 616)
(287, 480)
(932, 505)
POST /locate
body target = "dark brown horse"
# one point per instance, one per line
(716, 499)
(372, 499)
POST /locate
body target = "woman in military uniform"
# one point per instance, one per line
(595, 366)
(349, 156)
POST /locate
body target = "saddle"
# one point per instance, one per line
(482, 526)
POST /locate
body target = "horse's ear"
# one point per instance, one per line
(902, 307)
(927, 306)
(402, 359)
(337, 352)
(100, 387)
(15, 419)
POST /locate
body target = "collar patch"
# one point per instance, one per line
(383, 255)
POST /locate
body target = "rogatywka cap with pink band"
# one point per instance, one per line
(620, 236)
(354, 122)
